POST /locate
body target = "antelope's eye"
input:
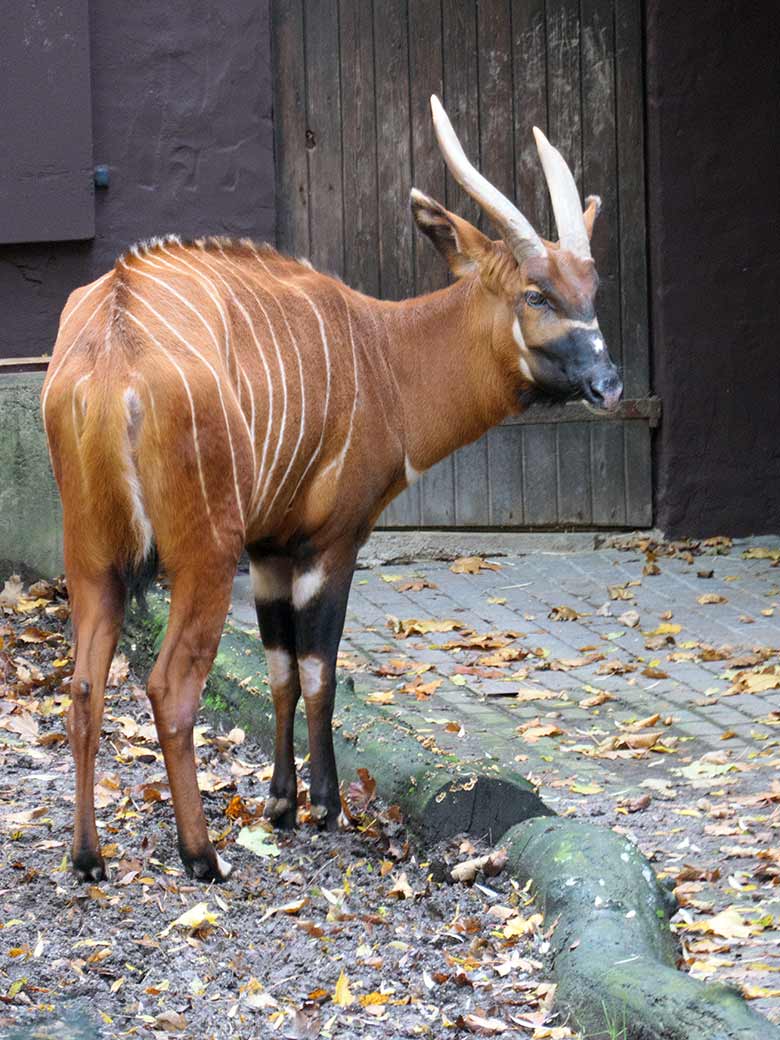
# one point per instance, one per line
(535, 299)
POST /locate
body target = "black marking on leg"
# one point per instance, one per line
(88, 865)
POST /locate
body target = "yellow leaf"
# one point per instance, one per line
(586, 789)
(711, 597)
(416, 627)
(380, 697)
(369, 999)
(198, 916)
(729, 924)
(342, 995)
(521, 925)
(666, 628)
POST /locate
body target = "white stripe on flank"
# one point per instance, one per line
(240, 373)
(143, 525)
(326, 351)
(195, 440)
(75, 421)
(302, 385)
(208, 365)
(338, 461)
(53, 373)
(259, 469)
(152, 404)
(83, 299)
(208, 285)
(282, 378)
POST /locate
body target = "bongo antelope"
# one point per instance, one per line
(208, 396)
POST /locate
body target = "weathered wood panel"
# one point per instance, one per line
(352, 88)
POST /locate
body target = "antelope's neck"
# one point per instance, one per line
(439, 349)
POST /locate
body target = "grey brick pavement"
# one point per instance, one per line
(531, 586)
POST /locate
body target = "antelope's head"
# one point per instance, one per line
(543, 328)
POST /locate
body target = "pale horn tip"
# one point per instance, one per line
(540, 138)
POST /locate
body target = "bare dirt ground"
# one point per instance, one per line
(356, 935)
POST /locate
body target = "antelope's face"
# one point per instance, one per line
(546, 337)
(562, 353)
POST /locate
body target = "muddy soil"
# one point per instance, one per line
(360, 934)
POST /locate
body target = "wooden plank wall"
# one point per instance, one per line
(353, 134)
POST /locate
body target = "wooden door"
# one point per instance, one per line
(352, 127)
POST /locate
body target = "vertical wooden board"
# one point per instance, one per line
(540, 490)
(426, 77)
(292, 176)
(403, 511)
(599, 157)
(391, 56)
(564, 107)
(437, 495)
(461, 92)
(631, 177)
(529, 67)
(323, 135)
(496, 145)
(358, 135)
(505, 462)
(472, 485)
(639, 475)
(563, 82)
(609, 483)
(574, 478)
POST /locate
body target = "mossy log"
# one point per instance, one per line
(613, 953)
(439, 795)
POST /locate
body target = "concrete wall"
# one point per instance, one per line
(714, 210)
(30, 514)
(181, 109)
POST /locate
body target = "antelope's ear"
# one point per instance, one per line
(462, 245)
(592, 210)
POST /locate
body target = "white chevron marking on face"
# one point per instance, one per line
(517, 335)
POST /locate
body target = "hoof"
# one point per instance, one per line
(210, 867)
(89, 866)
(327, 818)
(281, 812)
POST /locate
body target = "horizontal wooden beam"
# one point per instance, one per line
(16, 362)
(647, 409)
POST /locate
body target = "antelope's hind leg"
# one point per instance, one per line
(97, 604)
(197, 616)
(272, 587)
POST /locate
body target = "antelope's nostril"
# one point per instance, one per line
(605, 390)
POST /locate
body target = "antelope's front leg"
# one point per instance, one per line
(272, 586)
(320, 593)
